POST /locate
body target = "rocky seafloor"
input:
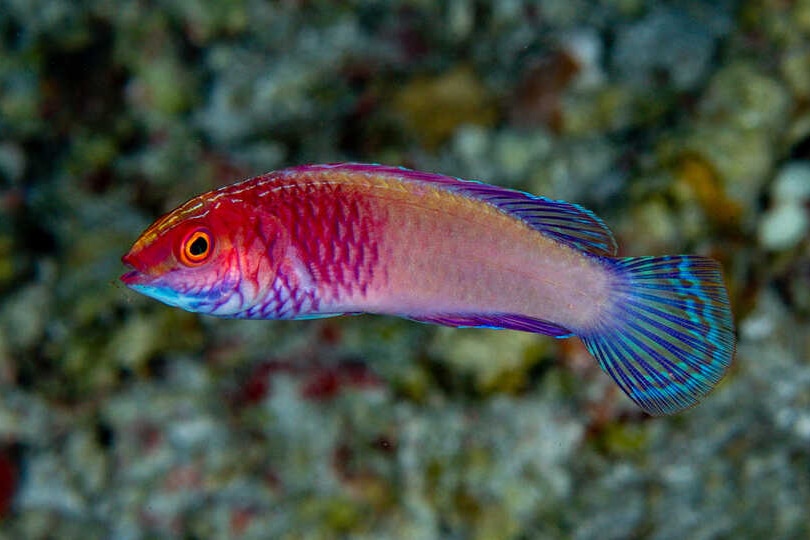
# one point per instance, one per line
(685, 125)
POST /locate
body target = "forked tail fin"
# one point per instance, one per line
(668, 337)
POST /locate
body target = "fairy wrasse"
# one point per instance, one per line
(323, 240)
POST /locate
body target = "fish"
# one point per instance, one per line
(323, 240)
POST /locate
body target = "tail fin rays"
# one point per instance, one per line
(669, 337)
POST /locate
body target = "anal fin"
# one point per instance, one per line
(500, 321)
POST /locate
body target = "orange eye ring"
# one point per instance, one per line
(196, 247)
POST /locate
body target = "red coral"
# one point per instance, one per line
(325, 383)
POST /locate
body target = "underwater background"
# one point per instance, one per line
(685, 125)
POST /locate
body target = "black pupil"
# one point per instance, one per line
(198, 247)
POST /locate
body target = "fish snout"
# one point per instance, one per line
(136, 276)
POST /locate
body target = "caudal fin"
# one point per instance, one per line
(668, 336)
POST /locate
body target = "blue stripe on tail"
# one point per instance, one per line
(668, 337)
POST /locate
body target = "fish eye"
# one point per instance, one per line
(196, 247)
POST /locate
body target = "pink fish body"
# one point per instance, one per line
(323, 240)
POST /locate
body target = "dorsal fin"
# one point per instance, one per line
(567, 223)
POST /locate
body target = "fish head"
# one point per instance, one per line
(203, 257)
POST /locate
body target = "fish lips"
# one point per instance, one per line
(134, 277)
(151, 286)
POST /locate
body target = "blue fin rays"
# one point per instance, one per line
(669, 337)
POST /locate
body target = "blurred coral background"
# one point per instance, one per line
(685, 125)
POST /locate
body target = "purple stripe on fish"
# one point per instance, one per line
(500, 321)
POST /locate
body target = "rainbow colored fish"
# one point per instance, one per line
(324, 240)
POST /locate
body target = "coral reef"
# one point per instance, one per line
(683, 124)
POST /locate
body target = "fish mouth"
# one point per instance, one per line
(134, 277)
